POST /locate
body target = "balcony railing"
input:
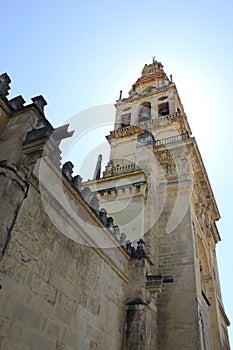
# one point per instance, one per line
(124, 168)
(171, 139)
(145, 123)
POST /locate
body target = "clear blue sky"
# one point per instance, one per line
(80, 54)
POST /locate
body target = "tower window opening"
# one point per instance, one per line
(145, 112)
(163, 109)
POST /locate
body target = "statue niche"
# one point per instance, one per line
(145, 112)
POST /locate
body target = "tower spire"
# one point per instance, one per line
(98, 168)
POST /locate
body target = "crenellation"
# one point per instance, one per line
(17, 102)
(77, 182)
(5, 81)
(39, 102)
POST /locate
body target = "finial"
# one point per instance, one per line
(120, 95)
(139, 253)
(153, 59)
(98, 168)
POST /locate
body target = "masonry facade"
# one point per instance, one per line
(125, 261)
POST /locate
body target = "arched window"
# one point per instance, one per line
(163, 108)
(144, 112)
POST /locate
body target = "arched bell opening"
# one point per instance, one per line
(144, 112)
(163, 109)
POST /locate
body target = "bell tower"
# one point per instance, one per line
(152, 99)
(156, 188)
(150, 118)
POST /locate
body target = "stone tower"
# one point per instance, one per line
(125, 261)
(156, 188)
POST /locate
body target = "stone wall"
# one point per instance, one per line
(57, 293)
(177, 306)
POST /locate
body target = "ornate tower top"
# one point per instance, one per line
(155, 66)
(151, 74)
(153, 103)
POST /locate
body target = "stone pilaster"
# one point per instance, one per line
(141, 305)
